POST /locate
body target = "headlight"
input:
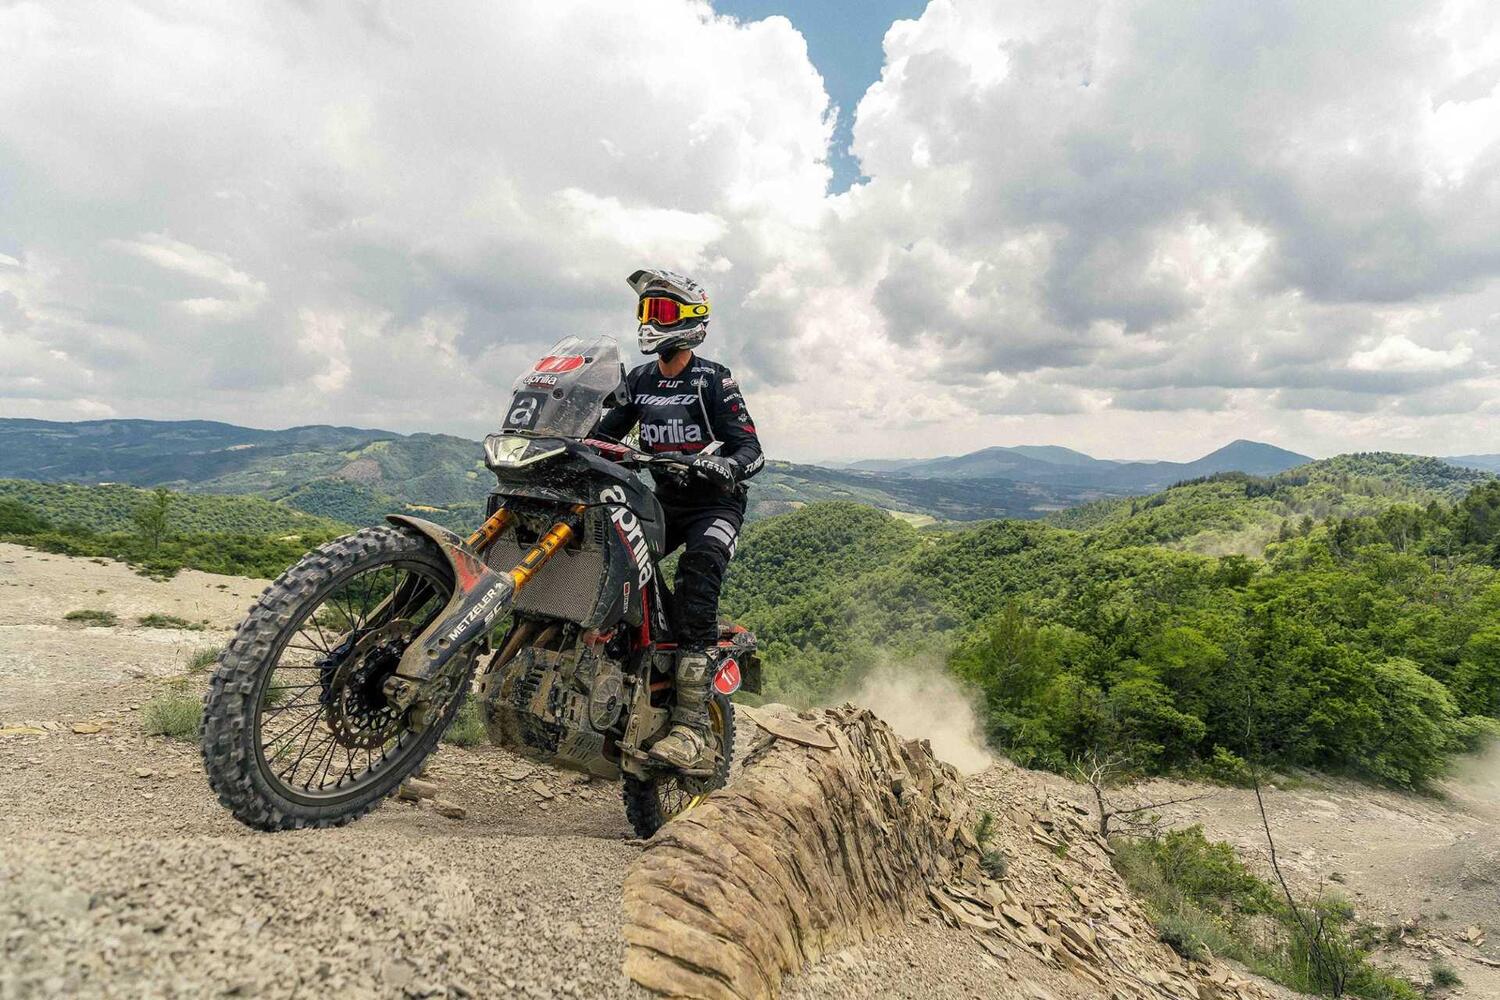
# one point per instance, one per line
(503, 451)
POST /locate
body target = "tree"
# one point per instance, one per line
(151, 517)
(1476, 682)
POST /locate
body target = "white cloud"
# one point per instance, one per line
(1399, 354)
(1082, 215)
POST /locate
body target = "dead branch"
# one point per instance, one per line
(1104, 773)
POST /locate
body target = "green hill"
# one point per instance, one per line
(243, 536)
(1361, 636)
(1238, 513)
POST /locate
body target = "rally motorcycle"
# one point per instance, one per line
(346, 672)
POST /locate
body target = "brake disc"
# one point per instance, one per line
(356, 707)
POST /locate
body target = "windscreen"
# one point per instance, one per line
(564, 393)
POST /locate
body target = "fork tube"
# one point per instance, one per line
(484, 536)
(546, 546)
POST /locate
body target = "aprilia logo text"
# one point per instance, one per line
(674, 431)
(629, 527)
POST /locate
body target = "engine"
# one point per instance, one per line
(559, 707)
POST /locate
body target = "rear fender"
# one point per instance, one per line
(480, 595)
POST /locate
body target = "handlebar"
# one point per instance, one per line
(626, 455)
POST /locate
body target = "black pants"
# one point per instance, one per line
(707, 535)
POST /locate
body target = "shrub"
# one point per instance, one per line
(994, 862)
(1193, 934)
(175, 713)
(1204, 902)
(90, 616)
(155, 620)
(467, 729)
(1229, 767)
(1444, 975)
(18, 519)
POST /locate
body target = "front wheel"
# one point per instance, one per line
(652, 803)
(296, 730)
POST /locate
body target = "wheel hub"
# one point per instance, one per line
(355, 704)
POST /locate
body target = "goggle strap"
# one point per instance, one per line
(656, 306)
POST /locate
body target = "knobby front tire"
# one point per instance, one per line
(291, 654)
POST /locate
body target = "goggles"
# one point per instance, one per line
(665, 312)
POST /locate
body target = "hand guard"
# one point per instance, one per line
(721, 472)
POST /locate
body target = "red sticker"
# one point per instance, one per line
(727, 680)
(558, 363)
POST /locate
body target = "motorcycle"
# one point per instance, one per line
(343, 677)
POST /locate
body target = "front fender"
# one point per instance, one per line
(480, 595)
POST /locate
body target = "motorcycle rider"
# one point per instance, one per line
(683, 403)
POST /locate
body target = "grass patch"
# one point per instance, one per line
(175, 713)
(468, 728)
(91, 616)
(1205, 903)
(155, 620)
(994, 862)
(202, 659)
(1444, 975)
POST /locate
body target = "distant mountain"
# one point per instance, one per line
(1057, 455)
(980, 463)
(883, 464)
(1063, 466)
(1022, 463)
(350, 474)
(1489, 463)
(1244, 456)
(784, 486)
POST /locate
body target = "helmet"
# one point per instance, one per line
(672, 310)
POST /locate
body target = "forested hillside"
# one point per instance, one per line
(104, 509)
(1362, 633)
(1233, 512)
(160, 532)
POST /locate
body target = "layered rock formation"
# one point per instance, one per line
(838, 832)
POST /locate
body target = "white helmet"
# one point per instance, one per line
(672, 310)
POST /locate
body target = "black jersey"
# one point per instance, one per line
(684, 414)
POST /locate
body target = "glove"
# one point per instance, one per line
(723, 473)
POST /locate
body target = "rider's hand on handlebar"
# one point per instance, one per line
(723, 473)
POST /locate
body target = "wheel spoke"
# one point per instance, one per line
(313, 730)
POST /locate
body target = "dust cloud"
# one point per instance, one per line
(921, 701)
(1475, 780)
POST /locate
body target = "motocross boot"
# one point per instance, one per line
(689, 745)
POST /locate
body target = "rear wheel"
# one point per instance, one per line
(651, 804)
(296, 730)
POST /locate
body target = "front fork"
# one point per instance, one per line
(480, 596)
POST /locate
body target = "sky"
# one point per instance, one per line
(844, 43)
(1138, 228)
